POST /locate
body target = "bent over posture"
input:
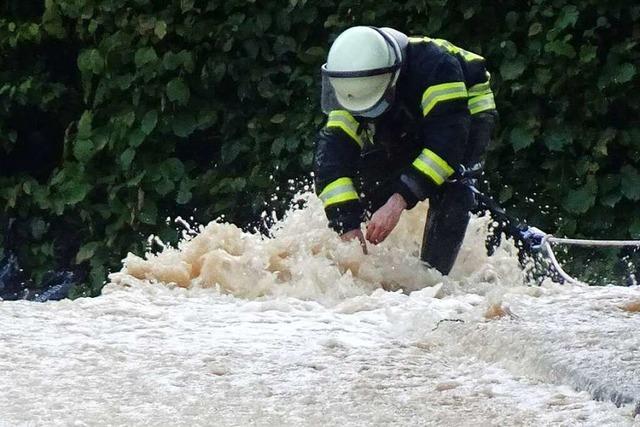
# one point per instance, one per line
(405, 114)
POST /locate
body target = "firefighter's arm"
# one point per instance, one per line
(443, 133)
(337, 151)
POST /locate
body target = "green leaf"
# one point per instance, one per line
(187, 5)
(230, 151)
(149, 122)
(266, 89)
(171, 61)
(520, 138)
(173, 168)
(560, 48)
(568, 17)
(292, 144)
(126, 158)
(149, 212)
(51, 20)
(136, 138)
(87, 251)
(609, 190)
(238, 184)
(184, 124)
(144, 56)
(625, 73)
(580, 200)
(184, 194)
(468, 12)
(588, 53)
(164, 186)
(83, 150)
(90, 61)
(306, 159)
(75, 192)
(535, 28)
(630, 182)
(135, 181)
(513, 69)
(610, 200)
(177, 91)
(278, 118)
(277, 146)
(84, 125)
(557, 139)
(98, 277)
(160, 29)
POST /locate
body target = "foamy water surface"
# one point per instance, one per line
(232, 328)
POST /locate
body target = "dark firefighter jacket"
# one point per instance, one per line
(439, 88)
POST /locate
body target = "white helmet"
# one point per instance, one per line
(361, 71)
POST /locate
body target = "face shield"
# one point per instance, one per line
(364, 93)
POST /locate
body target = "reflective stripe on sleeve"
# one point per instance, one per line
(433, 166)
(481, 103)
(340, 190)
(440, 93)
(344, 120)
(479, 89)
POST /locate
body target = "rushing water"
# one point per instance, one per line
(232, 328)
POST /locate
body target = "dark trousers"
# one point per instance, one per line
(449, 209)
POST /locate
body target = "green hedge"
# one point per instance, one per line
(203, 108)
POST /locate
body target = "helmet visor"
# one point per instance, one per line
(368, 94)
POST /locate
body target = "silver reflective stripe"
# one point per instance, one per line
(348, 123)
(433, 165)
(442, 92)
(336, 191)
(344, 120)
(479, 89)
(481, 103)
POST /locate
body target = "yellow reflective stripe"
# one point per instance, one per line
(432, 165)
(481, 103)
(340, 190)
(344, 120)
(479, 89)
(442, 92)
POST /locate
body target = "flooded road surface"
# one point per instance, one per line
(302, 329)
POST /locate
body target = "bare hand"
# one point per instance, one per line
(356, 234)
(385, 219)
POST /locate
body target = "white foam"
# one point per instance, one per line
(233, 328)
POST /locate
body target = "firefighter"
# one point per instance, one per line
(406, 115)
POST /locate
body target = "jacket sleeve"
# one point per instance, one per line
(337, 152)
(443, 131)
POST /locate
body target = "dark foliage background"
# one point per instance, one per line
(116, 114)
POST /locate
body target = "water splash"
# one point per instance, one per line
(302, 258)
